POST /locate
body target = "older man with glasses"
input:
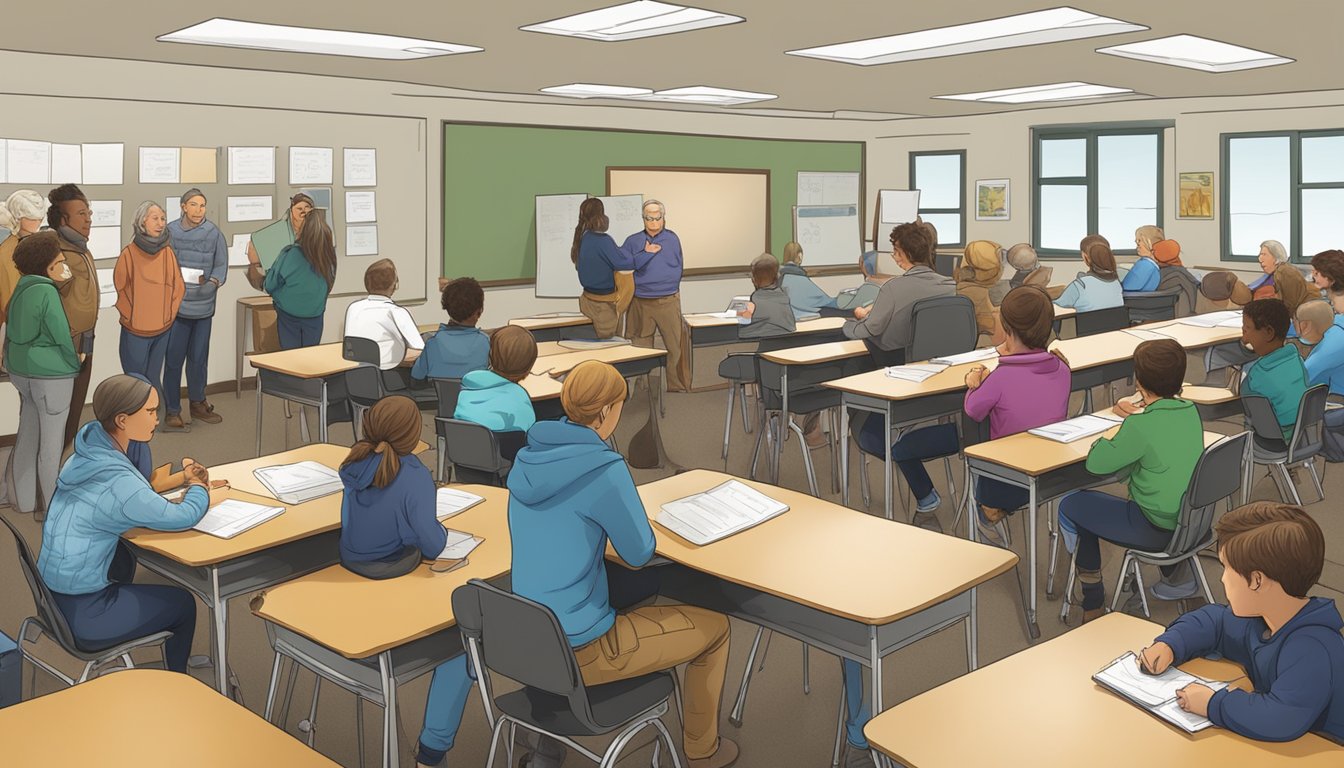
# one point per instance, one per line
(657, 304)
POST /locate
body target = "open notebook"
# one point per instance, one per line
(450, 501)
(233, 516)
(1076, 428)
(718, 513)
(1230, 318)
(974, 356)
(1155, 694)
(299, 482)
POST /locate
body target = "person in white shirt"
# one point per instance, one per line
(381, 320)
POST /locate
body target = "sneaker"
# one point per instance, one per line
(992, 531)
(173, 423)
(928, 521)
(929, 503)
(858, 757)
(723, 757)
(204, 411)
(1172, 591)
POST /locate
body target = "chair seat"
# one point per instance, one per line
(806, 401)
(613, 705)
(1167, 558)
(1268, 450)
(87, 652)
(739, 368)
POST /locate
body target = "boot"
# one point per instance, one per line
(204, 411)
(173, 423)
(1094, 594)
(723, 757)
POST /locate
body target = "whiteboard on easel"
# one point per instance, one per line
(829, 234)
(894, 206)
(827, 188)
(556, 217)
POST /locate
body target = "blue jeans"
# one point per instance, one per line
(1093, 516)
(443, 710)
(121, 612)
(297, 331)
(189, 343)
(144, 355)
(856, 703)
(910, 452)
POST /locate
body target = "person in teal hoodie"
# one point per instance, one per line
(806, 297)
(1277, 374)
(101, 494)
(569, 495)
(493, 397)
(42, 363)
(1288, 643)
(300, 280)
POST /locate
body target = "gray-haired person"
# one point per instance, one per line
(199, 246)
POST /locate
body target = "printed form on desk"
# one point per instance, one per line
(450, 501)
(916, 372)
(718, 513)
(299, 482)
(974, 356)
(233, 516)
(1155, 693)
(1076, 428)
(1230, 318)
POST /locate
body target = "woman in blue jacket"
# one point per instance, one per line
(597, 259)
(104, 491)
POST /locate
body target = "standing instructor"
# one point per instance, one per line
(657, 304)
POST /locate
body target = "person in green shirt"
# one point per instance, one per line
(1157, 447)
(1277, 374)
(300, 280)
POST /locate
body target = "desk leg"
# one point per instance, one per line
(844, 453)
(238, 351)
(219, 611)
(783, 423)
(1052, 524)
(1032, 627)
(391, 752)
(886, 463)
(972, 636)
(875, 666)
(258, 413)
(322, 415)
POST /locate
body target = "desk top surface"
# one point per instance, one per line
(812, 325)
(818, 353)
(145, 718)
(559, 364)
(538, 323)
(1040, 706)
(1035, 456)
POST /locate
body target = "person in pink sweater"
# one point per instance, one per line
(1028, 388)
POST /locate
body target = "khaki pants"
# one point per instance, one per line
(664, 315)
(658, 637)
(602, 310)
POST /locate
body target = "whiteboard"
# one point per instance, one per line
(829, 234)
(721, 215)
(557, 215)
(827, 188)
(894, 206)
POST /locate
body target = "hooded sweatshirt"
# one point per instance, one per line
(805, 296)
(980, 272)
(773, 315)
(377, 522)
(569, 494)
(37, 333)
(1298, 672)
(1024, 392)
(200, 247)
(101, 494)
(149, 289)
(495, 403)
(1281, 378)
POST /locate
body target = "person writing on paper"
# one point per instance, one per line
(805, 296)
(1288, 643)
(886, 324)
(656, 253)
(494, 398)
(599, 263)
(200, 247)
(149, 293)
(265, 245)
(1099, 287)
(300, 280)
(102, 493)
(569, 495)
(72, 218)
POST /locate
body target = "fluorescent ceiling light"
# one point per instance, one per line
(1196, 53)
(631, 21)
(1039, 27)
(1034, 93)
(858, 114)
(704, 94)
(274, 37)
(590, 91)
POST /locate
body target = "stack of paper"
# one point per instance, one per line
(1076, 428)
(718, 513)
(192, 276)
(916, 372)
(450, 501)
(231, 517)
(299, 482)
(1154, 693)
(1147, 335)
(585, 344)
(1230, 318)
(974, 356)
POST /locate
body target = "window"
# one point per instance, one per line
(940, 178)
(1286, 186)
(1107, 181)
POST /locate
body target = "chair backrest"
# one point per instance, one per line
(1101, 320)
(946, 263)
(1308, 434)
(973, 432)
(1217, 476)
(1147, 306)
(360, 350)
(1260, 413)
(942, 325)
(44, 604)
(472, 446)
(447, 391)
(364, 384)
(1179, 279)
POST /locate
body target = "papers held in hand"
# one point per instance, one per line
(916, 372)
(450, 501)
(1155, 694)
(233, 516)
(1226, 319)
(299, 482)
(718, 513)
(455, 551)
(974, 356)
(1076, 428)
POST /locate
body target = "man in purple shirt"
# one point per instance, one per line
(657, 304)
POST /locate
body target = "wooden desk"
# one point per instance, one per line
(246, 306)
(304, 375)
(556, 326)
(145, 718)
(1063, 312)
(1047, 712)
(708, 331)
(372, 635)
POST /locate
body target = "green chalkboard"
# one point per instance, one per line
(493, 173)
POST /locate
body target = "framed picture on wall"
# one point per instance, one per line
(991, 199)
(1195, 195)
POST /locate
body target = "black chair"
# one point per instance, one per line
(946, 263)
(475, 452)
(806, 396)
(364, 385)
(1303, 445)
(1101, 321)
(51, 622)
(1150, 306)
(739, 369)
(447, 391)
(522, 640)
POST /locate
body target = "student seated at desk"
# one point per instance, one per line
(1327, 274)
(886, 324)
(1277, 374)
(104, 490)
(866, 293)
(569, 494)
(493, 397)
(769, 310)
(380, 319)
(980, 271)
(1288, 643)
(458, 346)
(1099, 287)
(1158, 449)
(805, 296)
(1318, 327)
(1145, 273)
(1027, 270)
(300, 281)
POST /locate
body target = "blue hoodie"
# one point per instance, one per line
(201, 247)
(805, 296)
(377, 522)
(101, 494)
(452, 352)
(569, 493)
(1143, 276)
(495, 403)
(1298, 673)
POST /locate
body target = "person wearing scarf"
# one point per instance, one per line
(980, 271)
(149, 293)
(72, 218)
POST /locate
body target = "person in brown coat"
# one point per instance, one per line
(149, 291)
(72, 218)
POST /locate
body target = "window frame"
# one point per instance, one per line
(961, 189)
(1089, 179)
(1296, 186)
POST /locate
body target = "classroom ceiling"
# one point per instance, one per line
(746, 56)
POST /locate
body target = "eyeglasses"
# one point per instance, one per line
(653, 218)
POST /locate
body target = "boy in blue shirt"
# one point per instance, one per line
(1288, 643)
(458, 346)
(1277, 374)
(1318, 326)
